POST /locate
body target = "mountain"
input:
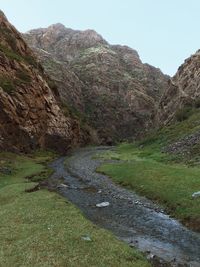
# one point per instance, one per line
(183, 90)
(178, 114)
(30, 115)
(107, 85)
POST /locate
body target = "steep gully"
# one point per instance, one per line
(132, 218)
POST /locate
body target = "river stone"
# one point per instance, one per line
(62, 185)
(102, 204)
(196, 194)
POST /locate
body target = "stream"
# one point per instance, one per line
(132, 218)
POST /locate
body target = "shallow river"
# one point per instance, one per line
(132, 218)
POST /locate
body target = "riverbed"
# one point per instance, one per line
(132, 218)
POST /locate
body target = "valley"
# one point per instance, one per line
(40, 228)
(134, 219)
(99, 153)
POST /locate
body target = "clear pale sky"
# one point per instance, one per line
(164, 32)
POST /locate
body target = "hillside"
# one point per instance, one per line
(133, 204)
(30, 116)
(164, 166)
(178, 110)
(183, 90)
(108, 84)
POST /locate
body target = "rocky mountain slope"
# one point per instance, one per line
(179, 111)
(108, 85)
(30, 116)
(183, 91)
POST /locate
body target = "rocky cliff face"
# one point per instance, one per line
(30, 116)
(183, 90)
(108, 84)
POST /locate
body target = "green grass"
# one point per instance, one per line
(7, 84)
(13, 54)
(157, 140)
(10, 53)
(169, 179)
(172, 185)
(43, 229)
(23, 76)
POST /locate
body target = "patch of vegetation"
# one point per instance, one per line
(184, 113)
(14, 55)
(149, 173)
(197, 103)
(169, 179)
(8, 36)
(23, 76)
(73, 112)
(173, 132)
(101, 49)
(10, 53)
(7, 84)
(32, 61)
(39, 177)
(43, 229)
(52, 85)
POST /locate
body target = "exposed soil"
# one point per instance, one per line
(132, 218)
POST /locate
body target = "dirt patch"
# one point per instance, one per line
(193, 224)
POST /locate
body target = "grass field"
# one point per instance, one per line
(43, 229)
(169, 179)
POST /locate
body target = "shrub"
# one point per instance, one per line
(23, 76)
(10, 54)
(7, 84)
(32, 61)
(197, 103)
(184, 113)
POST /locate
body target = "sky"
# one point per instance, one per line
(164, 32)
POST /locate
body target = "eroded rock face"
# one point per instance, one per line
(30, 116)
(183, 89)
(108, 84)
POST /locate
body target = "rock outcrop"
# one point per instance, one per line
(30, 116)
(107, 84)
(183, 90)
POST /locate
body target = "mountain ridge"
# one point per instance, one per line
(114, 90)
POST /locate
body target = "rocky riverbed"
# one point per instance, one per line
(132, 218)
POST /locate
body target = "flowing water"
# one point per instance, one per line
(132, 218)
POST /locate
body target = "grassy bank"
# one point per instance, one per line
(169, 179)
(43, 229)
